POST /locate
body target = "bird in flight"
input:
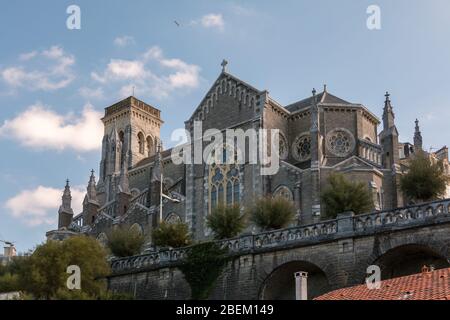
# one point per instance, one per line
(177, 23)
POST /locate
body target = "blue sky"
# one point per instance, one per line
(55, 82)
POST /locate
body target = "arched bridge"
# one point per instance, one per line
(335, 253)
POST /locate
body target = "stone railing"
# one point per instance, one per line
(254, 242)
(417, 214)
(370, 151)
(346, 225)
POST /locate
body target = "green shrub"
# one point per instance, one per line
(226, 221)
(125, 241)
(9, 283)
(272, 213)
(342, 195)
(174, 235)
(44, 275)
(425, 181)
(203, 265)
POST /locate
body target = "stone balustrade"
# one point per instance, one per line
(346, 225)
(370, 151)
(402, 216)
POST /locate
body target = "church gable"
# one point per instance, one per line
(229, 101)
(354, 163)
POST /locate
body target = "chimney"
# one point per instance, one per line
(301, 285)
(9, 251)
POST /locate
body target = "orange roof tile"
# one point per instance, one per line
(432, 285)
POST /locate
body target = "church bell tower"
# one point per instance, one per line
(132, 132)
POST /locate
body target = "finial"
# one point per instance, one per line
(324, 88)
(159, 147)
(67, 183)
(224, 65)
(387, 95)
(92, 172)
(314, 91)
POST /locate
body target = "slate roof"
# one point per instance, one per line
(151, 159)
(323, 97)
(428, 285)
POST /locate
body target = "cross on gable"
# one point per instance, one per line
(224, 65)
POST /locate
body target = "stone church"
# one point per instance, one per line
(317, 136)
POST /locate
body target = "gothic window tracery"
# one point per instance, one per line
(283, 192)
(340, 142)
(283, 147)
(137, 228)
(173, 218)
(301, 148)
(224, 185)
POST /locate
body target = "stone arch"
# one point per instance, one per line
(284, 192)
(141, 143)
(102, 238)
(280, 283)
(150, 146)
(409, 258)
(138, 228)
(173, 218)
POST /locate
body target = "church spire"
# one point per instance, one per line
(65, 212)
(67, 197)
(388, 113)
(91, 188)
(418, 142)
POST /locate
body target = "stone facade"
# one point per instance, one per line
(318, 135)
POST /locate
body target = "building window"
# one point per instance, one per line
(173, 218)
(224, 185)
(150, 146)
(283, 147)
(283, 192)
(340, 142)
(301, 148)
(141, 143)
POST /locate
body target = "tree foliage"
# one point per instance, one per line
(425, 181)
(44, 275)
(343, 195)
(272, 213)
(174, 235)
(124, 241)
(203, 265)
(226, 221)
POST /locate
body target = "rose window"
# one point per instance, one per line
(302, 148)
(340, 142)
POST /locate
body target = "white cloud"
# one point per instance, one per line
(28, 56)
(213, 21)
(91, 93)
(40, 205)
(124, 41)
(41, 128)
(56, 75)
(140, 73)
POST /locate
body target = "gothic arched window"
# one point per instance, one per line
(150, 146)
(141, 143)
(224, 185)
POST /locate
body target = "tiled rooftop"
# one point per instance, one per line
(428, 285)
